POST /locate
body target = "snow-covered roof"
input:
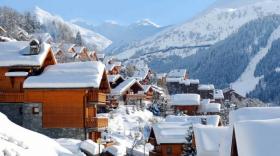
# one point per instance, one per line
(185, 99)
(258, 138)
(171, 79)
(79, 49)
(161, 75)
(218, 94)
(170, 132)
(254, 113)
(14, 54)
(68, 75)
(114, 78)
(177, 73)
(100, 55)
(110, 67)
(206, 87)
(122, 87)
(208, 139)
(141, 74)
(16, 74)
(212, 120)
(158, 89)
(146, 88)
(209, 108)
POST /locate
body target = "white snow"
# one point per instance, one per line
(68, 75)
(185, 99)
(89, 37)
(277, 69)
(123, 128)
(16, 74)
(254, 113)
(208, 139)
(12, 54)
(90, 147)
(247, 81)
(122, 87)
(206, 87)
(18, 141)
(212, 120)
(141, 74)
(114, 78)
(258, 138)
(218, 94)
(209, 108)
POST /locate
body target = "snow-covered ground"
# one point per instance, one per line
(247, 81)
(127, 125)
(18, 141)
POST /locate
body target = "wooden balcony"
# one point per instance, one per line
(135, 96)
(96, 122)
(12, 97)
(97, 97)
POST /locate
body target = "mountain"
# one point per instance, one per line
(123, 35)
(63, 30)
(208, 28)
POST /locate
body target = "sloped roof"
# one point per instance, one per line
(212, 120)
(122, 87)
(68, 75)
(146, 88)
(206, 87)
(208, 139)
(12, 54)
(114, 78)
(185, 99)
(218, 94)
(258, 137)
(254, 113)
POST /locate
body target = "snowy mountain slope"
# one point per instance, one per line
(247, 81)
(90, 38)
(18, 141)
(122, 35)
(208, 28)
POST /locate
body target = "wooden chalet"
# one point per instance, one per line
(93, 56)
(219, 96)
(207, 107)
(169, 137)
(230, 94)
(188, 103)
(206, 91)
(64, 52)
(71, 95)
(18, 61)
(143, 75)
(128, 91)
(82, 53)
(113, 69)
(114, 81)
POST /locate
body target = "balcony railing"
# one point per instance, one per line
(96, 122)
(11, 97)
(97, 97)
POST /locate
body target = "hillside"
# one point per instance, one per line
(59, 28)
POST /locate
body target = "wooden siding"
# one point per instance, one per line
(96, 122)
(61, 108)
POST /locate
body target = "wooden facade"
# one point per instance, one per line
(189, 110)
(11, 87)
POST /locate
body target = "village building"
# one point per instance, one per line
(93, 56)
(19, 60)
(206, 91)
(219, 96)
(169, 137)
(113, 69)
(82, 53)
(188, 103)
(67, 98)
(100, 56)
(129, 91)
(207, 139)
(64, 52)
(161, 79)
(143, 75)
(231, 95)
(206, 107)
(256, 137)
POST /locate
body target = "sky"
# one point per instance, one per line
(162, 12)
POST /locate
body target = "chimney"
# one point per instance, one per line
(34, 47)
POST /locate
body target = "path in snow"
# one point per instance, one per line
(247, 81)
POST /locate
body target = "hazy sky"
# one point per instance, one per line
(162, 12)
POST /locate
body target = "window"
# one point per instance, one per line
(169, 150)
(35, 110)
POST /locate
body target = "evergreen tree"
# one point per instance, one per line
(78, 40)
(188, 150)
